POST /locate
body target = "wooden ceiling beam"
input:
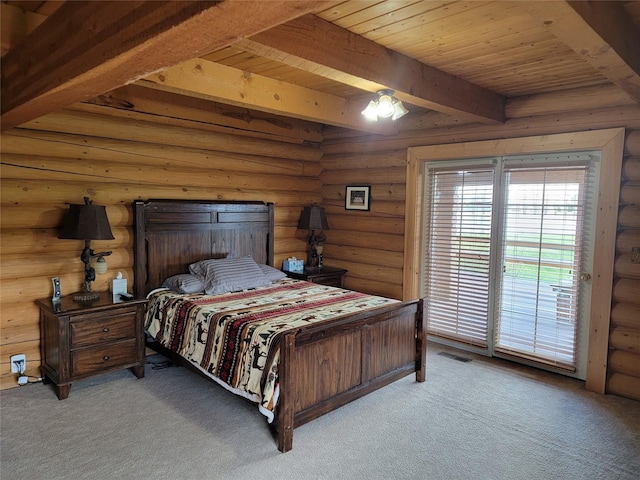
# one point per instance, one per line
(220, 83)
(15, 25)
(601, 32)
(177, 109)
(85, 49)
(322, 48)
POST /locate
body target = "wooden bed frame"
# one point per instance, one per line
(323, 366)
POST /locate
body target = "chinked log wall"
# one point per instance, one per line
(114, 157)
(624, 340)
(371, 244)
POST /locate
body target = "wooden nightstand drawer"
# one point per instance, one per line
(93, 360)
(93, 329)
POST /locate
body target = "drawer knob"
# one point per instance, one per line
(105, 329)
(105, 358)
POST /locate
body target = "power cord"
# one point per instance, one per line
(22, 378)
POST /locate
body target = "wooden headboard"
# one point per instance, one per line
(171, 234)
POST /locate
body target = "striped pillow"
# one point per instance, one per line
(231, 275)
(200, 268)
(272, 274)
(184, 283)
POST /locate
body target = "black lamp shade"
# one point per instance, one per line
(313, 218)
(86, 222)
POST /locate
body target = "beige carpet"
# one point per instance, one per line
(484, 419)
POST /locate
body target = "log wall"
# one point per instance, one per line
(371, 244)
(114, 157)
(624, 341)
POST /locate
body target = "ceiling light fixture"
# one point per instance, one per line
(385, 105)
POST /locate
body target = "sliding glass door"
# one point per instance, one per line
(506, 256)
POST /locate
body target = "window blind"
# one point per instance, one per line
(543, 219)
(457, 256)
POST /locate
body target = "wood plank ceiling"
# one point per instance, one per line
(318, 61)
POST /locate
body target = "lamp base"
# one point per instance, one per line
(85, 297)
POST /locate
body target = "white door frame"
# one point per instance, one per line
(610, 143)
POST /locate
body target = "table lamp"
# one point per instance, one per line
(87, 222)
(313, 218)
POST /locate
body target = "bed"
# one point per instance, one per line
(315, 366)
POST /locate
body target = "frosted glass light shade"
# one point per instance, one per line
(101, 266)
(385, 106)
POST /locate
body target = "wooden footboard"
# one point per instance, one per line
(325, 366)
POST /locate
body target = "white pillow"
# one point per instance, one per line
(231, 275)
(184, 283)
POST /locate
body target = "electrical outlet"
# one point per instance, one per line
(15, 363)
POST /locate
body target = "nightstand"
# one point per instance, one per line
(78, 340)
(331, 276)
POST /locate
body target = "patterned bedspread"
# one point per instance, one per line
(230, 336)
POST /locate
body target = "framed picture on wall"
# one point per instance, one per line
(358, 197)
